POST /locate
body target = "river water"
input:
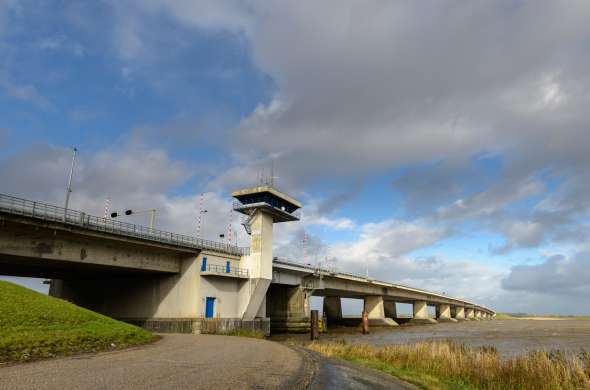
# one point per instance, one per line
(510, 337)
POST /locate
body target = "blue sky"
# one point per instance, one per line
(442, 144)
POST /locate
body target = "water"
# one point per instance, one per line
(510, 337)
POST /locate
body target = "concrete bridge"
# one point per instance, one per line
(171, 282)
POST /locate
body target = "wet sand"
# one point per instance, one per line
(510, 337)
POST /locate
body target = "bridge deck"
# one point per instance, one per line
(46, 212)
(397, 289)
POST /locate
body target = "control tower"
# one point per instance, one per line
(264, 206)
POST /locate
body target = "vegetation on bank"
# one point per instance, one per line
(33, 326)
(446, 365)
(252, 333)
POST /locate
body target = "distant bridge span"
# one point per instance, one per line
(162, 279)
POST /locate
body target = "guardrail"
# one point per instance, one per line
(46, 212)
(225, 270)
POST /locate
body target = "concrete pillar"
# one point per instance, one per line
(469, 314)
(390, 309)
(478, 315)
(258, 263)
(376, 311)
(288, 309)
(421, 313)
(459, 313)
(333, 310)
(443, 313)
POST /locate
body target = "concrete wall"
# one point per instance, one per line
(138, 296)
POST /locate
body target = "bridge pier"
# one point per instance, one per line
(374, 306)
(333, 310)
(288, 309)
(390, 309)
(470, 314)
(421, 313)
(459, 313)
(443, 313)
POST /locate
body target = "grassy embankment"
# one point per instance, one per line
(445, 365)
(33, 326)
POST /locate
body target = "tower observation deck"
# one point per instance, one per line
(280, 206)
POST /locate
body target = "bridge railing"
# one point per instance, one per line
(225, 270)
(43, 211)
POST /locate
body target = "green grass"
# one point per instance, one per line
(449, 366)
(34, 326)
(252, 333)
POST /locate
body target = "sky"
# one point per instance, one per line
(438, 144)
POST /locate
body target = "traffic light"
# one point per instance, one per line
(127, 212)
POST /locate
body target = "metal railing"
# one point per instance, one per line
(46, 212)
(223, 270)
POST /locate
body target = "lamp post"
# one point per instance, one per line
(69, 189)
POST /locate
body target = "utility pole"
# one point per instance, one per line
(69, 189)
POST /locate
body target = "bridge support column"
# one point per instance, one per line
(333, 310)
(444, 313)
(460, 313)
(288, 309)
(375, 308)
(478, 315)
(390, 309)
(421, 313)
(470, 314)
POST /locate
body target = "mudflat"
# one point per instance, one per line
(510, 337)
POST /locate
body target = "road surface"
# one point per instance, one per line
(183, 361)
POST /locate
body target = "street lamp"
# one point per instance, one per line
(130, 212)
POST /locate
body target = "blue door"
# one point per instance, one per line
(204, 264)
(209, 308)
(227, 267)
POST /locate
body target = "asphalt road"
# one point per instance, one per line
(175, 362)
(181, 361)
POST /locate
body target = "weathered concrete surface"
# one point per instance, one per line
(175, 362)
(443, 313)
(420, 309)
(33, 248)
(374, 306)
